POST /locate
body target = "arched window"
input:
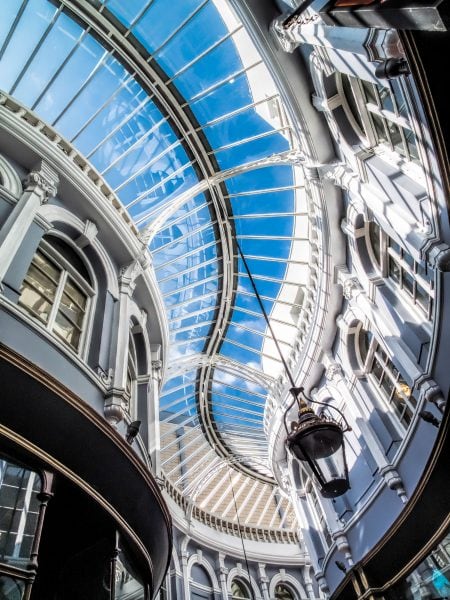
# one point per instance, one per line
(378, 114)
(382, 374)
(201, 586)
(282, 592)
(415, 279)
(57, 291)
(239, 590)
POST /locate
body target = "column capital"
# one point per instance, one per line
(334, 372)
(351, 287)
(128, 275)
(42, 180)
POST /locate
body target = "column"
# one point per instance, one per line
(114, 411)
(154, 433)
(308, 582)
(184, 555)
(40, 185)
(263, 581)
(223, 575)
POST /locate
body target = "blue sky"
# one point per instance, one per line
(53, 66)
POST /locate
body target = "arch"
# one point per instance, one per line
(57, 214)
(201, 560)
(239, 589)
(349, 324)
(292, 584)
(9, 178)
(67, 314)
(239, 573)
(138, 322)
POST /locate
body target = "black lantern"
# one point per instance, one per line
(316, 440)
(319, 441)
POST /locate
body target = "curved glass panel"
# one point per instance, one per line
(154, 155)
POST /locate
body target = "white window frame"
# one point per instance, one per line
(401, 258)
(375, 351)
(366, 108)
(67, 270)
(245, 587)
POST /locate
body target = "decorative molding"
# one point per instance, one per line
(382, 44)
(351, 287)
(394, 481)
(283, 37)
(114, 406)
(128, 275)
(88, 235)
(439, 257)
(9, 179)
(343, 545)
(334, 372)
(43, 180)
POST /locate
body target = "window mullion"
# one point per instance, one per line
(58, 296)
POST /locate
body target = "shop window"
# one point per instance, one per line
(282, 592)
(430, 579)
(382, 374)
(128, 583)
(379, 114)
(55, 294)
(11, 589)
(239, 590)
(414, 279)
(19, 508)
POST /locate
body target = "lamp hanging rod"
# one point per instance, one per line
(295, 390)
(263, 310)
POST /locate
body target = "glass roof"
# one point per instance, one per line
(195, 154)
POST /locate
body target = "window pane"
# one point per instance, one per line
(238, 590)
(41, 282)
(369, 90)
(422, 297)
(408, 282)
(411, 143)
(387, 386)
(71, 311)
(350, 97)
(75, 294)
(19, 508)
(282, 593)
(374, 235)
(378, 123)
(377, 369)
(394, 270)
(386, 99)
(31, 299)
(396, 140)
(47, 266)
(64, 328)
(11, 589)
(365, 338)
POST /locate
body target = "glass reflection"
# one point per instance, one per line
(11, 589)
(19, 512)
(430, 580)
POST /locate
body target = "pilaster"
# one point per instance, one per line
(40, 185)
